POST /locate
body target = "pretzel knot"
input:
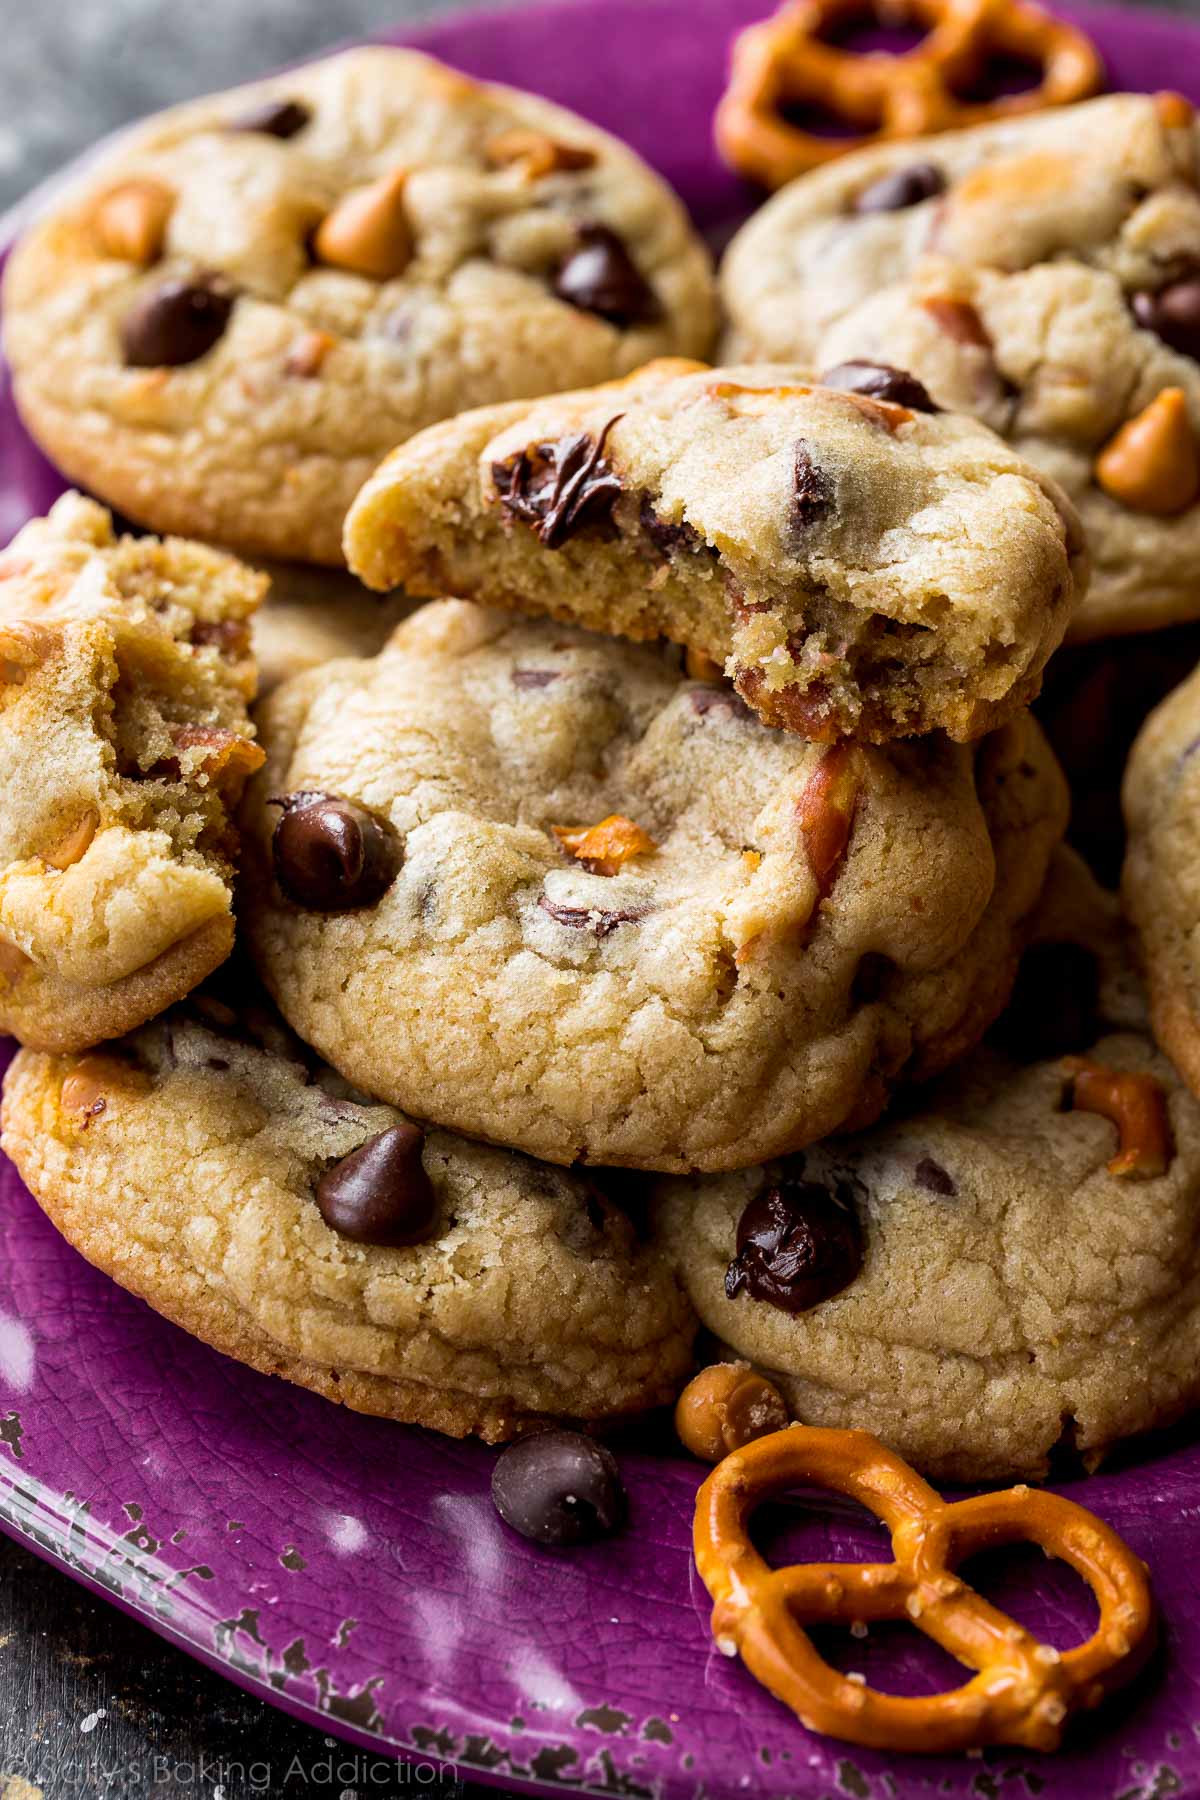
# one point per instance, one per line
(784, 62)
(1022, 1690)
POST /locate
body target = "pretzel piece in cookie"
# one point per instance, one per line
(786, 62)
(1022, 1691)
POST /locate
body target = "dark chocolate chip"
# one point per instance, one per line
(330, 854)
(599, 276)
(559, 1488)
(797, 1244)
(1173, 314)
(812, 490)
(931, 1175)
(720, 701)
(600, 921)
(1054, 1009)
(275, 118)
(176, 322)
(559, 488)
(533, 678)
(902, 188)
(881, 382)
(666, 537)
(380, 1193)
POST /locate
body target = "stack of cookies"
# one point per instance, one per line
(654, 937)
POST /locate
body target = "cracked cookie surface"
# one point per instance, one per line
(125, 742)
(1013, 1293)
(235, 313)
(535, 885)
(1043, 275)
(184, 1161)
(860, 566)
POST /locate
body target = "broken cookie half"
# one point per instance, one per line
(860, 563)
(125, 742)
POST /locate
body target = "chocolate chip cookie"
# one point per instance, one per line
(125, 675)
(1042, 274)
(208, 1165)
(1161, 878)
(236, 312)
(860, 563)
(536, 885)
(1011, 1268)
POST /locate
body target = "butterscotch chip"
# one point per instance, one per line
(307, 356)
(368, 232)
(74, 843)
(93, 1083)
(1137, 1105)
(541, 155)
(608, 846)
(726, 1407)
(131, 221)
(1153, 463)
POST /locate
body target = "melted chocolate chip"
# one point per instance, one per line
(559, 488)
(902, 188)
(331, 855)
(1173, 314)
(276, 118)
(666, 537)
(599, 276)
(931, 1175)
(880, 382)
(380, 1193)
(559, 1488)
(797, 1244)
(1054, 1009)
(176, 322)
(601, 922)
(533, 678)
(812, 490)
(721, 701)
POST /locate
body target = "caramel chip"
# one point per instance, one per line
(130, 221)
(74, 843)
(1174, 112)
(93, 1083)
(606, 846)
(958, 319)
(540, 154)
(1152, 464)
(368, 232)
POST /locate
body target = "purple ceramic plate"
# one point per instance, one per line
(353, 1571)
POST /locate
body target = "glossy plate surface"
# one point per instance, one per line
(354, 1571)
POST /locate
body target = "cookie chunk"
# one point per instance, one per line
(231, 317)
(125, 674)
(1044, 275)
(312, 615)
(1012, 1268)
(860, 565)
(1161, 877)
(536, 885)
(208, 1165)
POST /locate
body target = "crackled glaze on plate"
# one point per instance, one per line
(353, 1571)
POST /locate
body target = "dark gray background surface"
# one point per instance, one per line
(92, 1706)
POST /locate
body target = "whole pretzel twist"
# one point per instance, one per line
(1022, 1690)
(783, 61)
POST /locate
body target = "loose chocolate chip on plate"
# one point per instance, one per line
(330, 854)
(812, 490)
(559, 488)
(879, 381)
(176, 322)
(380, 1193)
(599, 276)
(797, 1243)
(902, 188)
(275, 118)
(1054, 1008)
(559, 1488)
(1173, 314)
